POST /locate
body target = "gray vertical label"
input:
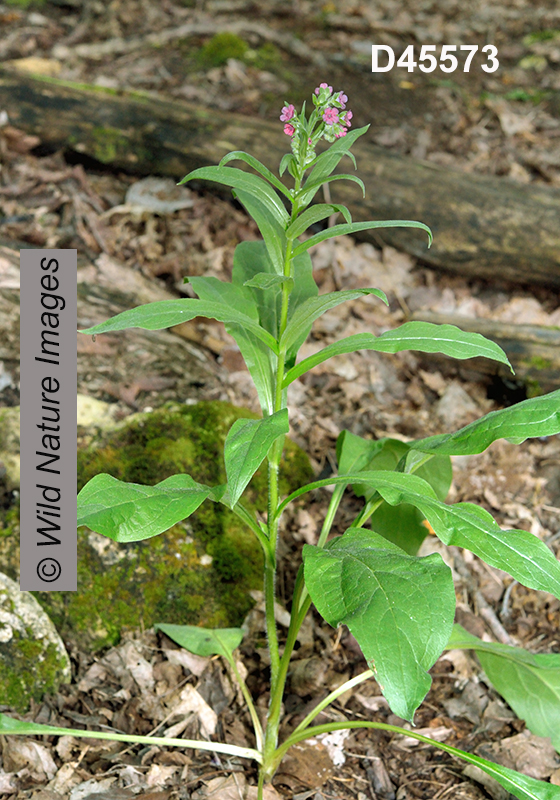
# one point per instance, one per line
(48, 411)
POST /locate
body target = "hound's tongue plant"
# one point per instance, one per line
(400, 607)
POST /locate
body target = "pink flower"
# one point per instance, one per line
(287, 113)
(289, 130)
(342, 99)
(341, 133)
(330, 116)
(347, 117)
(323, 86)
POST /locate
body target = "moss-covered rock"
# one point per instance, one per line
(32, 654)
(199, 572)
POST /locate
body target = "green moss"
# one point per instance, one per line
(163, 579)
(222, 47)
(29, 670)
(109, 143)
(25, 3)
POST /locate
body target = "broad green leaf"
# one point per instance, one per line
(258, 166)
(204, 642)
(264, 280)
(402, 524)
(251, 261)
(326, 162)
(538, 416)
(129, 512)
(339, 177)
(422, 336)
(11, 727)
(216, 291)
(466, 525)
(529, 683)
(518, 552)
(244, 182)
(315, 214)
(355, 227)
(166, 313)
(386, 598)
(246, 446)
(271, 230)
(314, 307)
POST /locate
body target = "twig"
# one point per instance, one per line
(485, 610)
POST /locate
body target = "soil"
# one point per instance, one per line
(506, 124)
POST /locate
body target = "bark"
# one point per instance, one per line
(483, 226)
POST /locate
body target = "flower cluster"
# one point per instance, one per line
(329, 120)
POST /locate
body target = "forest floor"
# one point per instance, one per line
(506, 124)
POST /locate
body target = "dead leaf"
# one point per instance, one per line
(307, 764)
(230, 788)
(26, 754)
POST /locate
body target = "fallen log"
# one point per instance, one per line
(483, 226)
(533, 350)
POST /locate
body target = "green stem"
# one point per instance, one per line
(370, 507)
(363, 676)
(250, 705)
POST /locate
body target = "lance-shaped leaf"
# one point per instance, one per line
(129, 512)
(258, 166)
(314, 307)
(315, 214)
(386, 598)
(426, 337)
(246, 446)
(538, 416)
(204, 642)
(340, 177)
(258, 358)
(166, 313)
(518, 552)
(243, 182)
(326, 162)
(355, 227)
(264, 280)
(271, 230)
(529, 683)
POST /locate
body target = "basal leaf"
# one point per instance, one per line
(538, 416)
(386, 598)
(166, 313)
(315, 214)
(354, 227)
(11, 727)
(244, 182)
(246, 446)
(529, 683)
(204, 642)
(129, 512)
(314, 307)
(258, 166)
